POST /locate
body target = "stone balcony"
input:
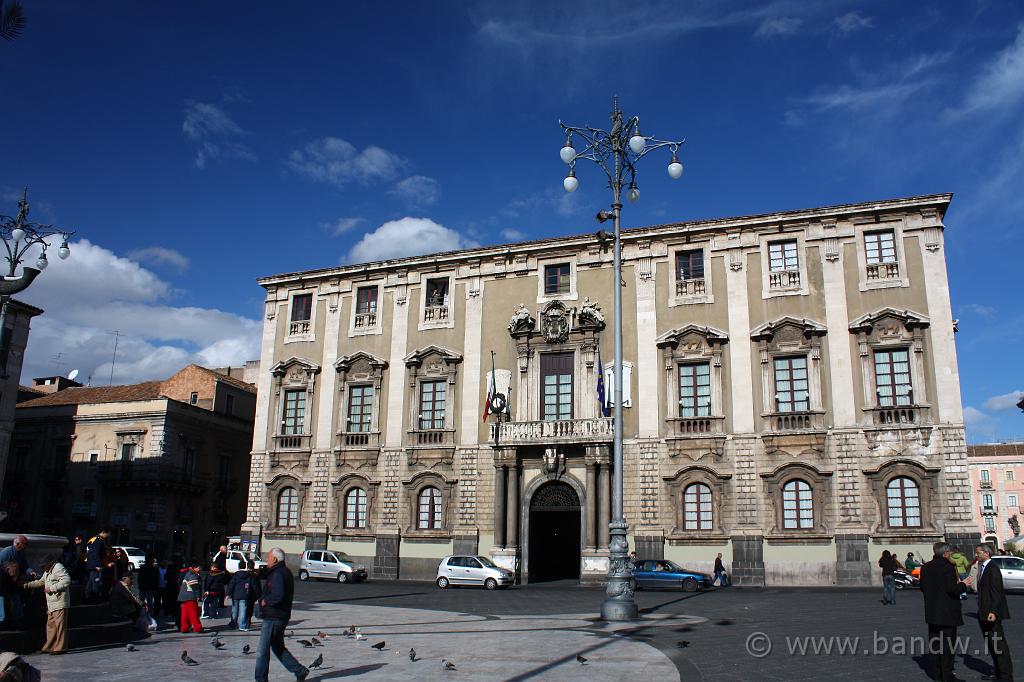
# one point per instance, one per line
(435, 313)
(553, 432)
(292, 441)
(882, 271)
(783, 279)
(691, 287)
(684, 427)
(781, 422)
(365, 320)
(298, 327)
(899, 416)
(357, 448)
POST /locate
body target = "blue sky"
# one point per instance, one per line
(197, 146)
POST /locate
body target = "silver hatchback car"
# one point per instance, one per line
(472, 570)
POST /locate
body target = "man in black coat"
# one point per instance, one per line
(992, 611)
(941, 588)
(278, 590)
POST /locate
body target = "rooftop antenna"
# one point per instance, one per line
(113, 361)
(57, 364)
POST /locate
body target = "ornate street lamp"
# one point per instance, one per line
(19, 236)
(616, 152)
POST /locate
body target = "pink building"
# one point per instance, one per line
(997, 484)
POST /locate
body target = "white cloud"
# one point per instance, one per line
(978, 309)
(341, 225)
(1001, 82)
(95, 292)
(778, 27)
(512, 234)
(159, 255)
(215, 134)
(1004, 402)
(337, 162)
(418, 190)
(851, 22)
(980, 425)
(407, 237)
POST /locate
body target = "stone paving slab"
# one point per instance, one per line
(483, 647)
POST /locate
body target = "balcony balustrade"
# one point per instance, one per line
(784, 279)
(881, 271)
(298, 327)
(553, 431)
(690, 287)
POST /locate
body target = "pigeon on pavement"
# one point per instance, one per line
(187, 660)
(322, 635)
(291, 633)
(379, 646)
(306, 644)
(412, 654)
(581, 660)
(216, 643)
(447, 665)
(317, 662)
(246, 649)
(683, 643)
(130, 647)
(316, 642)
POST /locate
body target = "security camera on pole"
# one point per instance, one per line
(616, 152)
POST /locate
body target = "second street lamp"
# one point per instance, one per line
(616, 153)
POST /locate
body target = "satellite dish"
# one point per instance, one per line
(72, 374)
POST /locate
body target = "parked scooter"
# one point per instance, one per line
(905, 581)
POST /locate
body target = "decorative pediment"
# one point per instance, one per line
(788, 329)
(440, 354)
(693, 337)
(697, 472)
(295, 367)
(889, 322)
(360, 362)
(798, 469)
(900, 467)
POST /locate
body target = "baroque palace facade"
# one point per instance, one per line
(791, 399)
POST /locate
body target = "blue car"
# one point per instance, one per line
(666, 575)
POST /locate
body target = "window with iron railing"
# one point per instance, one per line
(302, 313)
(783, 264)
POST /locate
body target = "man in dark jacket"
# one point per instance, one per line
(238, 590)
(941, 588)
(992, 611)
(99, 566)
(277, 611)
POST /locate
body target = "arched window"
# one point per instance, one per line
(355, 508)
(288, 508)
(904, 503)
(429, 517)
(697, 507)
(797, 506)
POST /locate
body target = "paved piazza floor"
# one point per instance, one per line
(535, 632)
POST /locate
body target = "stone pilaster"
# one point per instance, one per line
(853, 563)
(748, 560)
(385, 558)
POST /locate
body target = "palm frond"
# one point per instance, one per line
(12, 20)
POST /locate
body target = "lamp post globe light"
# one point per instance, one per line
(616, 152)
(19, 237)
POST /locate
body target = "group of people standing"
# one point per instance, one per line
(943, 583)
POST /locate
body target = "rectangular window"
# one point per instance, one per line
(293, 418)
(360, 408)
(892, 378)
(366, 300)
(1012, 500)
(985, 476)
(556, 279)
(302, 308)
(782, 256)
(94, 458)
(1009, 474)
(690, 264)
(128, 452)
(433, 397)
(437, 291)
(193, 399)
(791, 387)
(880, 247)
(695, 390)
(986, 501)
(556, 372)
(990, 524)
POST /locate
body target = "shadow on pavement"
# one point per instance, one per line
(350, 672)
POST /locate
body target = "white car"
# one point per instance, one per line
(235, 557)
(136, 557)
(472, 570)
(330, 565)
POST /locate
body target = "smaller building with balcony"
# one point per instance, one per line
(163, 464)
(997, 489)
